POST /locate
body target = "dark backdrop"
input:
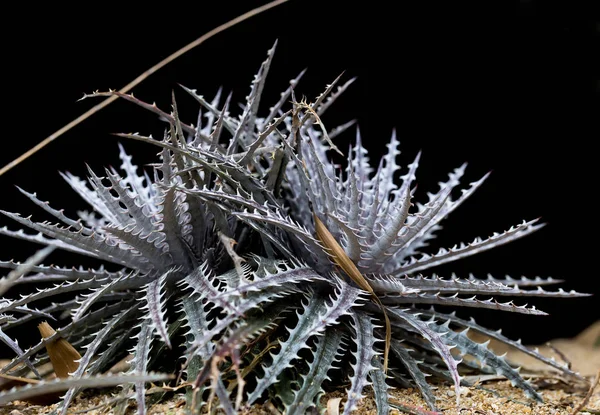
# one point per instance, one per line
(511, 89)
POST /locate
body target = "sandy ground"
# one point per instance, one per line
(488, 397)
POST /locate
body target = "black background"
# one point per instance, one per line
(511, 89)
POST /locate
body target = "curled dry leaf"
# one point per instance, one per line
(64, 357)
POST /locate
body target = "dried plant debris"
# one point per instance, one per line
(493, 398)
(251, 266)
(64, 357)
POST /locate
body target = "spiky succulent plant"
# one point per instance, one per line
(262, 268)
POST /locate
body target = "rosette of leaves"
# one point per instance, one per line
(213, 258)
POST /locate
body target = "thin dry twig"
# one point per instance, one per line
(409, 409)
(138, 80)
(314, 114)
(508, 398)
(229, 243)
(560, 354)
(588, 395)
(110, 403)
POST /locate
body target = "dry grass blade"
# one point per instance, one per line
(345, 263)
(64, 357)
(138, 80)
(19, 379)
